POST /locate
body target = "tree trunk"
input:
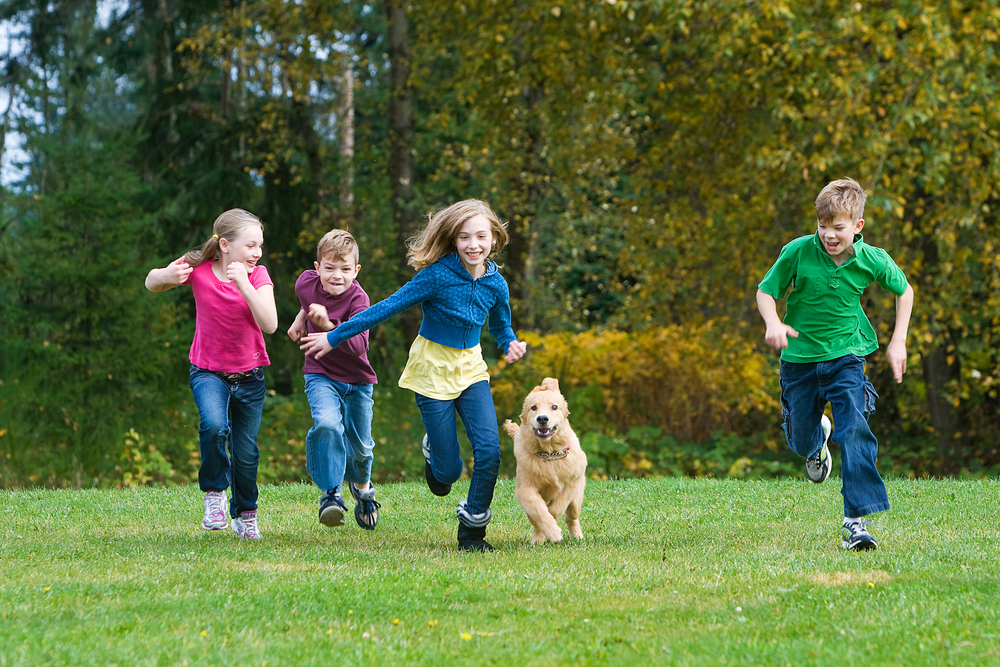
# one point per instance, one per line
(347, 145)
(401, 146)
(939, 371)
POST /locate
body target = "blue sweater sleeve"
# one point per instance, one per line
(417, 290)
(499, 320)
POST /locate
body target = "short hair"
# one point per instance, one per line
(339, 244)
(839, 197)
(437, 239)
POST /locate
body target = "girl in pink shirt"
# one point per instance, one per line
(234, 301)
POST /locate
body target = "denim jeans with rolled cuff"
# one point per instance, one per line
(805, 390)
(339, 445)
(230, 413)
(475, 407)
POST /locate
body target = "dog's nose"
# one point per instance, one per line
(542, 420)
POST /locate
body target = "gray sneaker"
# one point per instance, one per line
(818, 467)
(332, 508)
(857, 537)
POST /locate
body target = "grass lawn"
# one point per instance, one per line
(670, 571)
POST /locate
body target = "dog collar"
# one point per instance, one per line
(552, 456)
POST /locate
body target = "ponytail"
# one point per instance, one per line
(227, 226)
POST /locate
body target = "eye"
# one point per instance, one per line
(555, 407)
(534, 407)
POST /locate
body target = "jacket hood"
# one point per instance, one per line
(452, 261)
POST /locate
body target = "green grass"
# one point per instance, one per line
(670, 571)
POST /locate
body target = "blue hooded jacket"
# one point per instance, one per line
(455, 306)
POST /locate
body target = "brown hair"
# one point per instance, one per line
(339, 244)
(839, 197)
(437, 239)
(227, 226)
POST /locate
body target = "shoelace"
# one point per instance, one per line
(250, 526)
(217, 505)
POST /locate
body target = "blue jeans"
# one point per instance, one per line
(339, 445)
(475, 407)
(805, 390)
(230, 411)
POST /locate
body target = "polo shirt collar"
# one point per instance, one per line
(857, 246)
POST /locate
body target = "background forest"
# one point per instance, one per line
(651, 158)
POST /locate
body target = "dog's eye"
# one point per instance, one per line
(555, 407)
(534, 407)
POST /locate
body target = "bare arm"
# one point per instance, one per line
(172, 275)
(896, 352)
(298, 328)
(777, 332)
(260, 300)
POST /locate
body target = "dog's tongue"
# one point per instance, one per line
(543, 432)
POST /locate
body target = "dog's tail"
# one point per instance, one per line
(511, 428)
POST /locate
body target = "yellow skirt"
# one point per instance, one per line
(440, 372)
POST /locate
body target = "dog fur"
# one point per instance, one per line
(546, 489)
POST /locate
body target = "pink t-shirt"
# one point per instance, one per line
(226, 336)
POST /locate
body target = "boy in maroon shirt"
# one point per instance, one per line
(339, 384)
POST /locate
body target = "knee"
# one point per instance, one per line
(488, 460)
(448, 472)
(215, 428)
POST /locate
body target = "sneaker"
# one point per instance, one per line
(857, 538)
(332, 508)
(245, 525)
(216, 517)
(366, 507)
(818, 467)
(436, 487)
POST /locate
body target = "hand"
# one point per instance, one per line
(515, 351)
(237, 272)
(896, 353)
(319, 317)
(179, 271)
(777, 336)
(297, 330)
(315, 345)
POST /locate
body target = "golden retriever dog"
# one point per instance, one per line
(551, 466)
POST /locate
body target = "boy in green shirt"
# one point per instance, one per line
(823, 341)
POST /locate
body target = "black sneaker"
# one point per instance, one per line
(332, 508)
(473, 539)
(818, 467)
(857, 538)
(436, 487)
(366, 507)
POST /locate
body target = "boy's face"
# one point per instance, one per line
(837, 235)
(336, 273)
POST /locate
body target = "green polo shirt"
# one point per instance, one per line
(824, 305)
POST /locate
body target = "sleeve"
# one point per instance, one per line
(260, 277)
(781, 274)
(499, 319)
(892, 277)
(300, 289)
(420, 289)
(357, 344)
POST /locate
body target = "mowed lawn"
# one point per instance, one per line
(670, 571)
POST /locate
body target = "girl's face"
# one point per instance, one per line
(473, 243)
(246, 247)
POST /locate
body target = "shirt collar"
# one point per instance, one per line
(857, 246)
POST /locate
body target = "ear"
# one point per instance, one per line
(859, 225)
(223, 244)
(550, 384)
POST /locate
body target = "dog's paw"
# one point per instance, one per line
(511, 428)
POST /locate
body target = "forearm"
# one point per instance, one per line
(904, 307)
(406, 296)
(768, 308)
(157, 280)
(261, 302)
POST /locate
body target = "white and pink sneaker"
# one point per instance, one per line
(245, 525)
(216, 517)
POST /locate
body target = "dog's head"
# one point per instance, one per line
(545, 410)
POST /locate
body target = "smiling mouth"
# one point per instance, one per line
(542, 433)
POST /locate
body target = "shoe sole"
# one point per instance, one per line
(215, 526)
(863, 545)
(829, 469)
(332, 516)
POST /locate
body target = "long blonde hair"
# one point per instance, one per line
(437, 239)
(227, 226)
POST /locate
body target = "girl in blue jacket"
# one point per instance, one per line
(459, 289)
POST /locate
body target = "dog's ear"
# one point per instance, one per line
(550, 384)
